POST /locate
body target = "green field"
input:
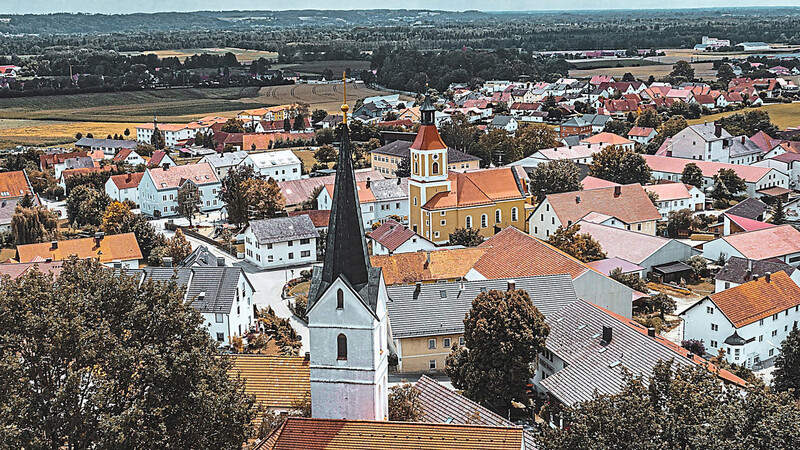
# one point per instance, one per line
(783, 115)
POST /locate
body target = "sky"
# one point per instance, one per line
(127, 6)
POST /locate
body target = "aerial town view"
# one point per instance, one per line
(516, 226)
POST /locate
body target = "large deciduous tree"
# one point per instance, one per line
(116, 214)
(535, 137)
(620, 166)
(33, 225)
(579, 245)
(86, 206)
(94, 360)
(692, 175)
(234, 193)
(404, 403)
(468, 237)
(553, 177)
(679, 407)
(264, 198)
(189, 202)
(503, 333)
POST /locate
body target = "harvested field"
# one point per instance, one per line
(318, 67)
(319, 96)
(702, 70)
(170, 105)
(783, 115)
(182, 54)
(48, 133)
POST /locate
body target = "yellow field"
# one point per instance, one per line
(48, 133)
(783, 115)
(183, 54)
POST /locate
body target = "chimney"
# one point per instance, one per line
(165, 166)
(368, 182)
(617, 190)
(767, 276)
(717, 129)
(399, 181)
(98, 237)
(577, 199)
(307, 356)
(201, 295)
(750, 264)
(53, 244)
(512, 285)
(606, 334)
(427, 259)
(742, 139)
(417, 289)
(167, 261)
(651, 332)
(220, 261)
(128, 178)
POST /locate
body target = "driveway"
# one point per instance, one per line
(268, 284)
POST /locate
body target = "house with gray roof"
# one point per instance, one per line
(280, 242)
(223, 162)
(738, 271)
(202, 257)
(379, 199)
(223, 295)
(589, 349)
(709, 141)
(508, 123)
(427, 319)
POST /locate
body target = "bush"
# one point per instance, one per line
(651, 322)
(694, 346)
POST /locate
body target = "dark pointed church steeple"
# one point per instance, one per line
(346, 246)
(427, 112)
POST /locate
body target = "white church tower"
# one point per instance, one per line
(347, 318)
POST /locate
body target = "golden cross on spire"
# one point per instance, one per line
(345, 108)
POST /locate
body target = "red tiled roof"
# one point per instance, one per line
(391, 234)
(14, 184)
(479, 187)
(173, 177)
(632, 205)
(512, 253)
(404, 268)
(122, 154)
(319, 217)
(750, 174)
(670, 191)
(275, 381)
(333, 434)
(121, 247)
(47, 161)
(757, 299)
(428, 139)
(590, 182)
(766, 243)
(127, 180)
(156, 159)
(640, 131)
(749, 224)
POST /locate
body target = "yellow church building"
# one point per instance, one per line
(441, 201)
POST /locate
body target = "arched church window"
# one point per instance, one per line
(341, 347)
(497, 216)
(514, 213)
(484, 221)
(339, 299)
(435, 167)
(468, 222)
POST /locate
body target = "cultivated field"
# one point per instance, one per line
(783, 115)
(48, 133)
(319, 96)
(318, 67)
(133, 106)
(702, 70)
(182, 54)
(54, 120)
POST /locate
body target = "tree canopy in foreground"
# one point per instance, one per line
(678, 408)
(92, 360)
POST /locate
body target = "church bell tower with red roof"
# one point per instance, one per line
(429, 174)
